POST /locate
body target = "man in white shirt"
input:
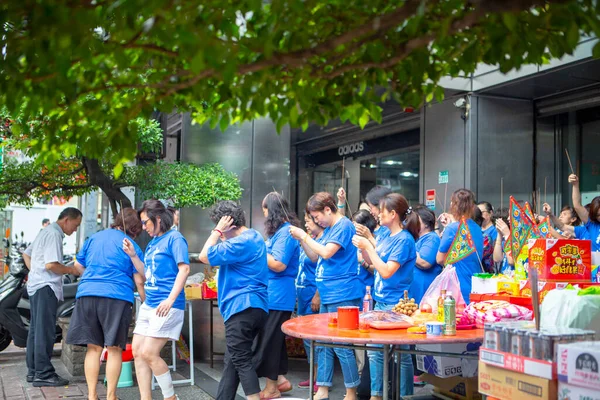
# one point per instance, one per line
(45, 288)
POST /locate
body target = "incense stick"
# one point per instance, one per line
(569, 159)
(281, 204)
(344, 186)
(502, 194)
(539, 199)
(546, 189)
(445, 196)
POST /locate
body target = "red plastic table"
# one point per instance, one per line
(315, 328)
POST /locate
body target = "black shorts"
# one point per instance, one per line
(100, 321)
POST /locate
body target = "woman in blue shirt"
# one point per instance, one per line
(337, 283)
(461, 206)
(590, 219)
(394, 262)
(490, 233)
(365, 272)
(160, 317)
(283, 255)
(243, 299)
(309, 300)
(103, 310)
(380, 232)
(427, 247)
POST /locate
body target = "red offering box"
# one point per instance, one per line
(513, 362)
(208, 293)
(561, 260)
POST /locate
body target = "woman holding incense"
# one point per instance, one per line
(504, 259)
(309, 300)
(568, 217)
(590, 219)
(394, 262)
(373, 197)
(461, 208)
(283, 255)
(337, 283)
(427, 245)
(490, 233)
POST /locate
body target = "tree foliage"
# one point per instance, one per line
(25, 180)
(91, 66)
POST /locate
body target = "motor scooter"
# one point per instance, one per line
(15, 309)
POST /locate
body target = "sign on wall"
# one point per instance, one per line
(430, 199)
(443, 177)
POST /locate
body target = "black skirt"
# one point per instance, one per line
(270, 354)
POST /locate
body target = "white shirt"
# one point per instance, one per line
(46, 248)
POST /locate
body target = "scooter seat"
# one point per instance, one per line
(70, 290)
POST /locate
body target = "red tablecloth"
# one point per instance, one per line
(315, 327)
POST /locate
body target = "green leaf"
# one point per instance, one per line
(118, 170)
(364, 119)
(596, 50)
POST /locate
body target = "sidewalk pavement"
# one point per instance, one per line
(14, 386)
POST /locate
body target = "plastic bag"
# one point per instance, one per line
(566, 309)
(447, 280)
(386, 320)
(194, 279)
(495, 311)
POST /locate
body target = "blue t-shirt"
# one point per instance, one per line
(489, 240)
(581, 232)
(468, 266)
(285, 249)
(163, 255)
(243, 273)
(401, 249)
(381, 233)
(336, 277)
(108, 269)
(365, 277)
(593, 230)
(427, 247)
(305, 282)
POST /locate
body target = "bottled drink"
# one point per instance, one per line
(368, 301)
(449, 315)
(440, 304)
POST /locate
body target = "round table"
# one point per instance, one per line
(316, 328)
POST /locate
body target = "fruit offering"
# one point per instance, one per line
(406, 306)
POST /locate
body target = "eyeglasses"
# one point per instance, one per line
(144, 222)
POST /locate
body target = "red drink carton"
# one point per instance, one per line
(561, 260)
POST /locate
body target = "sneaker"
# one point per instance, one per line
(417, 381)
(305, 384)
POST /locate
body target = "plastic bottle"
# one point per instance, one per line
(449, 315)
(440, 305)
(368, 301)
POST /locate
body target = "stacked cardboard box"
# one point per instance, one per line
(578, 371)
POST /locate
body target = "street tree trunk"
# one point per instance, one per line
(97, 177)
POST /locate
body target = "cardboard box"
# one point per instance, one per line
(561, 260)
(579, 363)
(516, 363)
(510, 287)
(481, 285)
(445, 367)
(193, 292)
(543, 288)
(571, 392)
(508, 385)
(455, 387)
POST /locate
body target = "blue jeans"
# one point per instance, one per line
(346, 356)
(376, 366)
(307, 342)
